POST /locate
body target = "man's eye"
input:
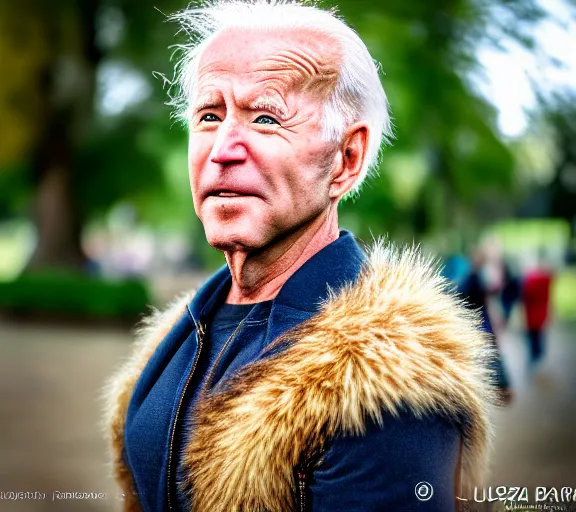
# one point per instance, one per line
(265, 120)
(209, 118)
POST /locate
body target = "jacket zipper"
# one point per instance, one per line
(204, 388)
(200, 331)
(302, 489)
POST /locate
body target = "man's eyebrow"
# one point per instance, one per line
(268, 103)
(205, 103)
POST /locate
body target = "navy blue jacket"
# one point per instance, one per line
(380, 470)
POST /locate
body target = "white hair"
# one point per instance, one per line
(357, 96)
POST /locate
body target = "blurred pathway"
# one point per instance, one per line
(536, 434)
(50, 439)
(50, 436)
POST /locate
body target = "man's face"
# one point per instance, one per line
(257, 165)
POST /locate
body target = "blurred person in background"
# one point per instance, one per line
(510, 291)
(305, 374)
(536, 301)
(456, 268)
(475, 292)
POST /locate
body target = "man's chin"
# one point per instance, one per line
(226, 239)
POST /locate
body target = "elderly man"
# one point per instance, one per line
(306, 374)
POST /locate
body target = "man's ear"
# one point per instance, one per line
(352, 155)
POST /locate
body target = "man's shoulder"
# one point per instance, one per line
(119, 387)
(150, 333)
(156, 326)
(405, 342)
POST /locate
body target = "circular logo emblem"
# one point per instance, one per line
(424, 491)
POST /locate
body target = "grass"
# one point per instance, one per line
(564, 295)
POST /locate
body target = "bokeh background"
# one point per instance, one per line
(97, 223)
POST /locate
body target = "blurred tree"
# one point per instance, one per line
(76, 161)
(560, 113)
(58, 83)
(428, 51)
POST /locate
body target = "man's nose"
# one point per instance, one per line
(228, 146)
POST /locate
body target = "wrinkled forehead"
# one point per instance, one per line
(302, 59)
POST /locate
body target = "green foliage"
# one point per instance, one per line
(564, 295)
(75, 296)
(560, 114)
(426, 50)
(115, 163)
(16, 186)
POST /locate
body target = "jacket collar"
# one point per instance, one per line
(330, 268)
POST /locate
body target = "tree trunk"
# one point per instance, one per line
(57, 224)
(67, 86)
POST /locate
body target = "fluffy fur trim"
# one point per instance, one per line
(119, 388)
(393, 339)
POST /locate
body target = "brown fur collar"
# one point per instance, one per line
(394, 338)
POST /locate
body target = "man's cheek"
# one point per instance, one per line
(199, 148)
(194, 185)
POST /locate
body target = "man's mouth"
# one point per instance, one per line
(228, 193)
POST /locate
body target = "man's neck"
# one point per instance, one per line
(259, 277)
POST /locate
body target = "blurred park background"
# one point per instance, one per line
(97, 222)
